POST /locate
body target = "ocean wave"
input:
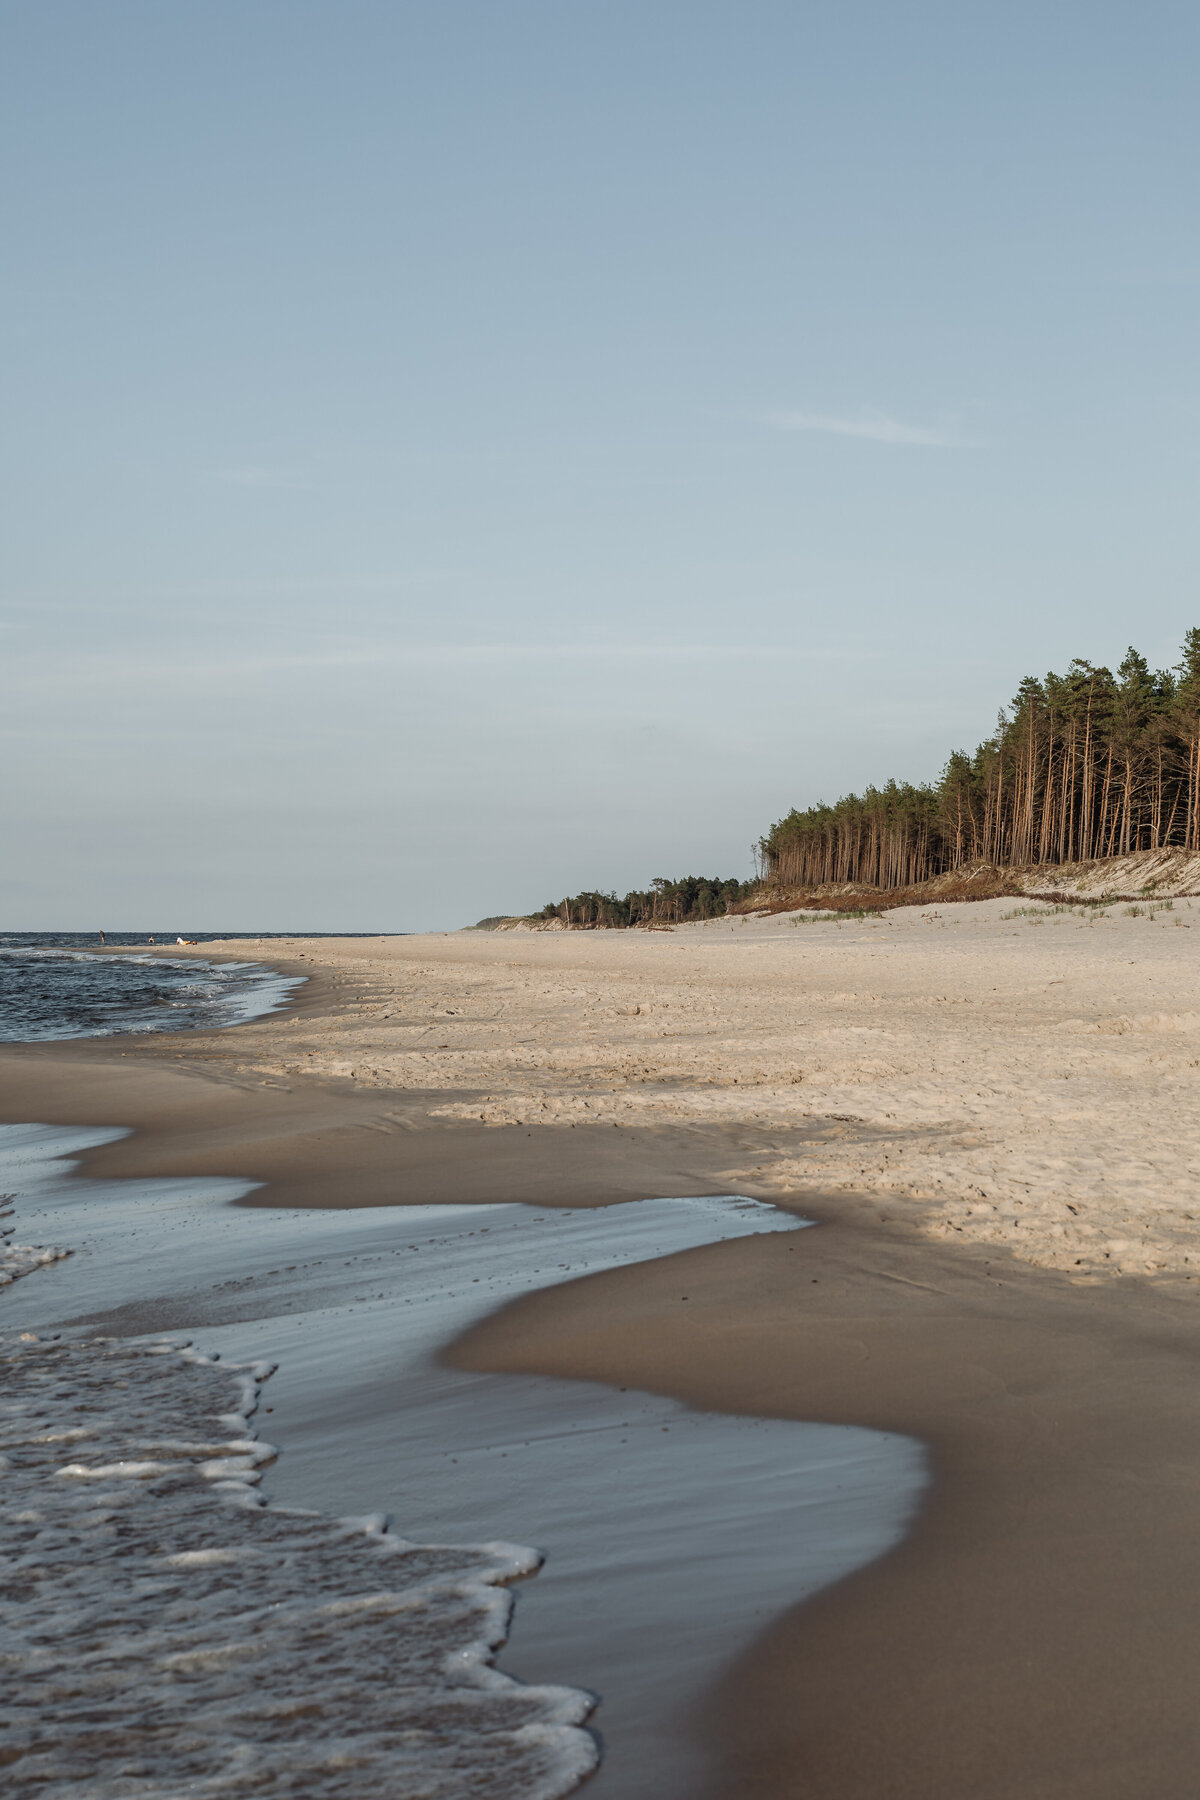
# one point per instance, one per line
(55, 992)
(21, 1259)
(167, 1629)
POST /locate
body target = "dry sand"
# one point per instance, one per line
(1016, 1078)
(990, 1115)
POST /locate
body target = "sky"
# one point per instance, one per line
(458, 454)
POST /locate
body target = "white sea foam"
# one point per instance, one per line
(21, 1259)
(672, 1536)
(54, 991)
(166, 1631)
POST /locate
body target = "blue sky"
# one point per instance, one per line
(456, 454)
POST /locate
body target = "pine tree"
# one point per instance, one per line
(1082, 765)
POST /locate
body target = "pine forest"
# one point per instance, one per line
(665, 902)
(1082, 765)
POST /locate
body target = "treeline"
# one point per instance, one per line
(1082, 765)
(664, 902)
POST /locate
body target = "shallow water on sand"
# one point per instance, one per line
(672, 1537)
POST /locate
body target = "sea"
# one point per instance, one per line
(68, 984)
(139, 1322)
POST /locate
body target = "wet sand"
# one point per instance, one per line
(669, 1534)
(1036, 1633)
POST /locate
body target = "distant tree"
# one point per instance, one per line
(665, 901)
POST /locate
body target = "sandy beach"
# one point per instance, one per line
(600, 921)
(986, 1108)
(998, 1073)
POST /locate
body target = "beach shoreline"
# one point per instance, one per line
(1017, 1076)
(1033, 1633)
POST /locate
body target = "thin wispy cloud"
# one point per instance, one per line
(878, 428)
(253, 475)
(112, 669)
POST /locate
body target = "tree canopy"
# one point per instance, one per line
(663, 902)
(1081, 765)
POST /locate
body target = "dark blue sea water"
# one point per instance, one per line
(67, 985)
(98, 940)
